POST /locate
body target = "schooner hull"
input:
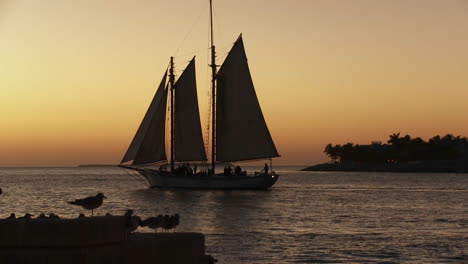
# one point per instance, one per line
(166, 180)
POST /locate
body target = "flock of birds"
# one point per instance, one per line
(165, 222)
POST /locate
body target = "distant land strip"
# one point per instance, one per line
(97, 165)
(418, 166)
(400, 154)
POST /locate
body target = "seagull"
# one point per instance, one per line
(12, 216)
(153, 222)
(133, 221)
(26, 216)
(129, 213)
(53, 216)
(175, 221)
(171, 222)
(90, 203)
(42, 215)
(166, 222)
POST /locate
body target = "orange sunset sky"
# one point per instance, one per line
(76, 77)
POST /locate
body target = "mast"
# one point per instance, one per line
(213, 92)
(171, 81)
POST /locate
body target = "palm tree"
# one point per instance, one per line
(331, 152)
(347, 152)
(406, 139)
(394, 139)
(434, 140)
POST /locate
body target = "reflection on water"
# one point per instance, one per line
(308, 217)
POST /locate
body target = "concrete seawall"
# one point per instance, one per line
(92, 241)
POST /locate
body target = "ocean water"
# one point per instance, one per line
(307, 217)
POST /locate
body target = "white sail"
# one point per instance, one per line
(148, 144)
(188, 134)
(241, 131)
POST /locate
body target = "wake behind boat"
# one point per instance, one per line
(238, 129)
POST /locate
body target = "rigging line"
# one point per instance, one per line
(223, 48)
(222, 57)
(218, 30)
(190, 30)
(135, 177)
(161, 162)
(126, 170)
(188, 54)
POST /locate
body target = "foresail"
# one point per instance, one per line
(148, 144)
(152, 148)
(188, 134)
(241, 131)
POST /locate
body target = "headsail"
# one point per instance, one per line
(241, 131)
(148, 144)
(188, 134)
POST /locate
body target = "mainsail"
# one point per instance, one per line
(241, 131)
(188, 134)
(148, 144)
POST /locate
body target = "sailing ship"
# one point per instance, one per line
(238, 129)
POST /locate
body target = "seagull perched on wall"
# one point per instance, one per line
(26, 216)
(133, 221)
(53, 216)
(175, 220)
(12, 216)
(171, 222)
(90, 203)
(153, 222)
(42, 216)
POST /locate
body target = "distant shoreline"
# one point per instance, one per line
(97, 165)
(437, 166)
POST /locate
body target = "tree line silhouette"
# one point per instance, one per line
(401, 149)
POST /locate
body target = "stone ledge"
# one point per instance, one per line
(94, 240)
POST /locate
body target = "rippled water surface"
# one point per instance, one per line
(307, 217)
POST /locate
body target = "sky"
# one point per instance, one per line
(76, 77)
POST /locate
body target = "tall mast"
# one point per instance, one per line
(171, 81)
(213, 93)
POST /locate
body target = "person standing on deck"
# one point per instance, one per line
(237, 170)
(266, 168)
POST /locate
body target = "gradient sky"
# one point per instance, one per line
(76, 77)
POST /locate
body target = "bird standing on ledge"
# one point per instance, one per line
(26, 216)
(12, 216)
(90, 203)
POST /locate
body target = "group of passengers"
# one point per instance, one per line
(237, 171)
(186, 170)
(181, 169)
